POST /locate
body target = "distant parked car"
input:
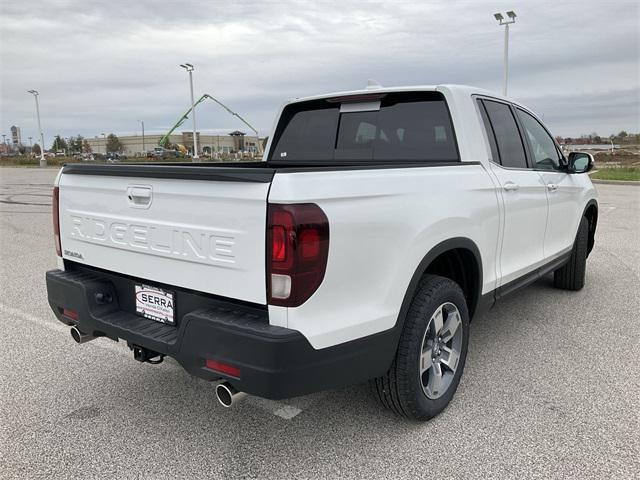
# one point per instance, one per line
(160, 153)
(115, 157)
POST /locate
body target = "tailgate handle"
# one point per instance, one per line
(139, 196)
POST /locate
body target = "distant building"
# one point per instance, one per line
(16, 137)
(232, 143)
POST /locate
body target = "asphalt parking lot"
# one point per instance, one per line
(551, 387)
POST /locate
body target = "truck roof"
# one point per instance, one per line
(453, 88)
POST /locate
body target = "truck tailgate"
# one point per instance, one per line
(206, 235)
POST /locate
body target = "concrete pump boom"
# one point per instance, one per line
(163, 141)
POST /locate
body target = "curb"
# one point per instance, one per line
(616, 182)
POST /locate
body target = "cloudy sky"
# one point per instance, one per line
(101, 66)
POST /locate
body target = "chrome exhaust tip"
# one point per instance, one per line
(80, 337)
(227, 395)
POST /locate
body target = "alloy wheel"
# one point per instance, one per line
(440, 352)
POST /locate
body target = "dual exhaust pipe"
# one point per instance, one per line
(226, 393)
(80, 337)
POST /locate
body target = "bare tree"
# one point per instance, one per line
(114, 144)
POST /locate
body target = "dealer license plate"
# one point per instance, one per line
(155, 304)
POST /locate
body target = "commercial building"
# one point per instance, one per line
(233, 142)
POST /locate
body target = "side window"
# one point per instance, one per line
(505, 129)
(357, 131)
(366, 133)
(487, 127)
(543, 148)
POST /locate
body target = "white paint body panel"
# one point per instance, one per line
(204, 235)
(566, 205)
(382, 224)
(525, 221)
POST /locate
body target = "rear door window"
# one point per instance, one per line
(507, 135)
(407, 127)
(495, 156)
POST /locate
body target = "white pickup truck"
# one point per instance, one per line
(380, 222)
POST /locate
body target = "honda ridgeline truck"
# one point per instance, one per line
(379, 223)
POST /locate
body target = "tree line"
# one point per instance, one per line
(79, 144)
(595, 139)
(76, 144)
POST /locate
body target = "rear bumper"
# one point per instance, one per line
(274, 362)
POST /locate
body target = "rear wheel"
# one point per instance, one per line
(431, 353)
(571, 275)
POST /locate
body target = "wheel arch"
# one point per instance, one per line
(591, 213)
(466, 251)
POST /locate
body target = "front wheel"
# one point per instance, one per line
(431, 353)
(572, 274)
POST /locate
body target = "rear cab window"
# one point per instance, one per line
(402, 127)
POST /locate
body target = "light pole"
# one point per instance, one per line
(189, 68)
(512, 19)
(144, 151)
(104, 137)
(43, 160)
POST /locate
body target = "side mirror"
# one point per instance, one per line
(580, 162)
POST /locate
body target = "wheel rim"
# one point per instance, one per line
(440, 352)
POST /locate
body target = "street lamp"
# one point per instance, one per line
(189, 68)
(512, 19)
(104, 137)
(43, 160)
(144, 151)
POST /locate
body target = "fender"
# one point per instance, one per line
(450, 244)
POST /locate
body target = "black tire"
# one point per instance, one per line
(571, 275)
(401, 388)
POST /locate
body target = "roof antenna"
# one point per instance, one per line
(373, 85)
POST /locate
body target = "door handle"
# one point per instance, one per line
(139, 196)
(138, 192)
(510, 187)
(552, 187)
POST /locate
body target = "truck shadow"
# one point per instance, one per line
(166, 404)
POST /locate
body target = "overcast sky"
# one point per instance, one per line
(101, 66)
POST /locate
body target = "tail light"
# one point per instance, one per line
(297, 251)
(55, 202)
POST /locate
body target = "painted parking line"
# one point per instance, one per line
(278, 408)
(59, 327)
